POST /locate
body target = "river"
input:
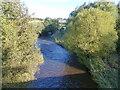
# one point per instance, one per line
(60, 69)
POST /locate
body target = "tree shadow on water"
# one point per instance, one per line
(67, 81)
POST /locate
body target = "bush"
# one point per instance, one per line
(38, 26)
(58, 37)
(118, 31)
(20, 58)
(91, 35)
(118, 43)
(104, 5)
(107, 6)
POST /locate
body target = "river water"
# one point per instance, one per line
(60, 69)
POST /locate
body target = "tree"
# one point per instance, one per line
(87, 35)
(51, 25)
(38, 25)
(104, 5)
(13, 9)
(118, 27)
(77, 10)
(108, 6)
(20, 58)
(91, 35)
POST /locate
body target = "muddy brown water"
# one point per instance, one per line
(60, 69)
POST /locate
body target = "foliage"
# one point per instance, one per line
(118, 23)
(58, 37)
(51, 25)
(106, 77)
(107, 6)
(13, 10)
(118, 43)
(38, 26)
(54, 25)
(91, 35)
(20, 58)
(118, 28)
(87, 32)
(101, 4)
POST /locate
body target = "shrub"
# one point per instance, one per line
(19, 58)
(104, 5)
(118, 30)
(37, 25)
(107, 6)
(91, 35)
(118, 43)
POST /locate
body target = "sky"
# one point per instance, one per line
(53, 8)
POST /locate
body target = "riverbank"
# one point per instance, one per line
(60, 69)
(104, 70)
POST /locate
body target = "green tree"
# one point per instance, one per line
(14, 9)
(88, 33)
(118, 27)
(20, 58)
(104, 5)
(51, 25)
(91, 35)
(77, 10)
(38, 25)
(118, 43)
(108, 6)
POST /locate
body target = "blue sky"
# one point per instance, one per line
(54, 8)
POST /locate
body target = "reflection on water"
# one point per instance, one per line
(60, 68)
